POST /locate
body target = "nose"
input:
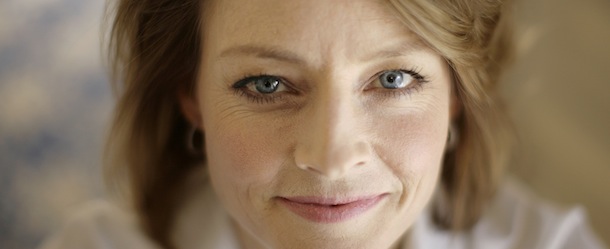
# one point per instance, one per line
(331, 142)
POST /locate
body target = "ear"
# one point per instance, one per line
(189, 105)
(455, 106)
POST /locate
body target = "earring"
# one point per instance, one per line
(452, 138)
(194, 140)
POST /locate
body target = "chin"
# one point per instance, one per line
(362, 233)
(308, 241)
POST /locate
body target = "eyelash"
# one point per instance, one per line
(417, 85)
(240, 87)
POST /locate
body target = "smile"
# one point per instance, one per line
(330, 210)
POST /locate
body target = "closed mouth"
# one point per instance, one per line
(329, 210)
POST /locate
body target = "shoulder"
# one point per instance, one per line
(99, 225)
(518, 219)
(522, 220)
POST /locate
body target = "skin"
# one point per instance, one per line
(331, 129)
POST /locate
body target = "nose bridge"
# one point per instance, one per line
(332, 115)
(331, 144)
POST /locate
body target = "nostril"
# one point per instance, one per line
(361, 163)
(314, 169)
(332, 156)
(335, 161)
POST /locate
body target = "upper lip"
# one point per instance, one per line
(327, 201)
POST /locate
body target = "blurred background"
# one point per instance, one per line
(54, 108)
(55, 105)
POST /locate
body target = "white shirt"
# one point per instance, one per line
(515, 219)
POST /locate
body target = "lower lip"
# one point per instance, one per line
(331, 213)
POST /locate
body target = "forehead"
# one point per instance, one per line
(319, 27)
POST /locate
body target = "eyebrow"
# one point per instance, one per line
(265, 52)
(400, 49)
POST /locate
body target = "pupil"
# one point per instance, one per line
(391, 78)
(267, 85)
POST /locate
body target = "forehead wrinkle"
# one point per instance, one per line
(402, 48)
(346, 46)
(263, 52)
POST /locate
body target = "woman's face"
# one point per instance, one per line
(325, 121)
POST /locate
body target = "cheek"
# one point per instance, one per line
(244, 152)
(235, 153)
(415, 146)
(413, 152)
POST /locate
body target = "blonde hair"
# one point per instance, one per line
(474, 36)
(154, 53)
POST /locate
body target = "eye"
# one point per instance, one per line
(266, 84)
(395, 79)
(263, 84)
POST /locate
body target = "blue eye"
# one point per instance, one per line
(263, 84)
(394, 79)
(266, 84)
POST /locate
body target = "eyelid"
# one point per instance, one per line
(414, 73)
(249, 79)
(243, 88)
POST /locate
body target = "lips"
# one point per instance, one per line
(330, 210)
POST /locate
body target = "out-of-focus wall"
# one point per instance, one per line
(55, 105)
(559, 97)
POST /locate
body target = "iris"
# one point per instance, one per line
(393, 79)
